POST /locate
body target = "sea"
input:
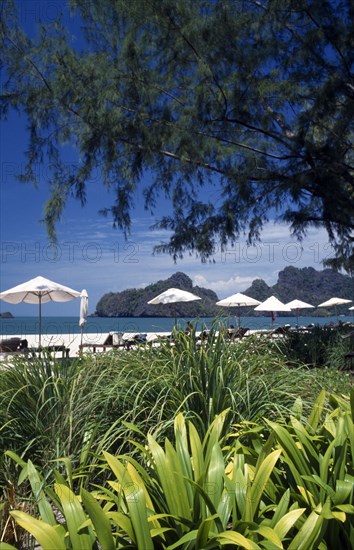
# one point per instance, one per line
(22, 326)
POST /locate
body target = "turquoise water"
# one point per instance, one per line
(23, 326)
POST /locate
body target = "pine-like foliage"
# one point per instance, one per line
(230, 108)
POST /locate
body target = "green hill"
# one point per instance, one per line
(133, 302)
(305, 284)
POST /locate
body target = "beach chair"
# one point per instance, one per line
(113, 340)
(281, 331)
(12, 345)
(50, 351)
(135, 340)
(236, 333)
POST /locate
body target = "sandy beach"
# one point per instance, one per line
(72, 342)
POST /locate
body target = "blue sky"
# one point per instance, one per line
(91, 254)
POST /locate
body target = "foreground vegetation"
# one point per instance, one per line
(279, 485)
(221, 444)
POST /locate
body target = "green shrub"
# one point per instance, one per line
(290, 487)
(35, 406)
(49, 409)
(320, 346)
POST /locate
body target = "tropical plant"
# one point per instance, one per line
(290, 487)
(250, 378)
(35, 405)
(81, 409)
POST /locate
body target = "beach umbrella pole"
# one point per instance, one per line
(40, 322)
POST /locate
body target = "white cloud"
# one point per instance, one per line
(223, 287)
(98, 258)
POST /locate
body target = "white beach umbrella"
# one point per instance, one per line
(39, 291)
(298, 304)
(238, 300)
(272, 304)
(335, 302)
(83, 310)
(172, 296)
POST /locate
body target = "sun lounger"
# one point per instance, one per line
(281, 330)
(50, 350)
(136, 340)
(117, 340)
(113, 340)
(14, 344)
(236, 333)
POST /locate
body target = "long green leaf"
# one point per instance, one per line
(350, 432)
(197, 453)
(188, 537)
(308, 534)
(306, 440)
(213, 434)
(16, 458)
(215, 475)
(236, 538)
(171, 478)
(179, 484)
(269, 534)
(138, 514)
(295, 457)
(202, 537)
(74, 516)
(99, 519)
(126, 474)
(281, 508)
(182, 444)
(326, 462)
(123, 523)
(352, 404)
(288, 521)
(44, 506)
(317, 410)
(255, 492)
(49, 537)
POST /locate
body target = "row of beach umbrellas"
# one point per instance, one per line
(41, 290)
(272, 304)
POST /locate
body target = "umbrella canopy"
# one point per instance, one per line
(335, 302)
(298, 304)
(272, 304)
(172, 296)
(39, 291)
(238, 300)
